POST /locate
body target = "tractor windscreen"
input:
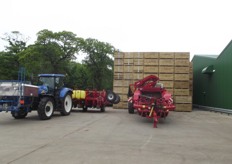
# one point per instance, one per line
(47, 81)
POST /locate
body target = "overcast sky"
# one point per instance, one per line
(195, 26)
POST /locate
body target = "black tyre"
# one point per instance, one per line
(45, 108)
(111, 96)
(85, 108)
(19, 115)
(66, 105)
(130, 93)
(130, 108)
(117, 100)
(103, 108)
(74, 105)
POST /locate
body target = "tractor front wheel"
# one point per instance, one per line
(46, 108)
(66, 105)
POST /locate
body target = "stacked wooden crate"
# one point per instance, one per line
(182, 90)
(173, 69)
(166, 70)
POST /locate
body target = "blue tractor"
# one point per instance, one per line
(50, 95)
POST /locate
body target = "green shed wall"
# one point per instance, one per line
(213, 90)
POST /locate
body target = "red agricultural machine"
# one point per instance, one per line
(95, 99)
(150, 99)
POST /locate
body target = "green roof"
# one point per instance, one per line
(207, 56)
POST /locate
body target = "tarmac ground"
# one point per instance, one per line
(115, 137)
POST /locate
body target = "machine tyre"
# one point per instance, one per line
(111, 96)
(103, 108)
(19, 115)
(74, 105)
(130, 108)
(117, 99)
(85, 109)
(46, 108)
(66, 105)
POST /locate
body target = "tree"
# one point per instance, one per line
(32, 59)
(77, 76)
(17, 42)
(10, 57)
(52, 50)
(99, 62)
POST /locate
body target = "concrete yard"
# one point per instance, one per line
(116, 137)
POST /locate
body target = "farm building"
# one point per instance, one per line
(212, 80)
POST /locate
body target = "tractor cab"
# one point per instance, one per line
(49, 83)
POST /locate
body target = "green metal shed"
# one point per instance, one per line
(212, 80)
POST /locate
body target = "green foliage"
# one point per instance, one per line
(52, 50)
(32, 60)
(10, 57)
(77, 76)
(16, 42)
(55, 52)
(99, 63)
(8, 67)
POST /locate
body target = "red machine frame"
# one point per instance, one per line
(96, 99)
(150, 99)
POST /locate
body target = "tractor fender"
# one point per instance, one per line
(64, 91)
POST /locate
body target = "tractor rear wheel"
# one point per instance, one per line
(45, 108)
(130, 108)
(66, 105)
(19, 115)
